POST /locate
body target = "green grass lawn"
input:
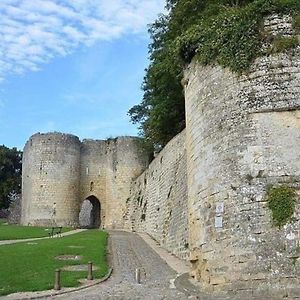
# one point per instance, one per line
(30, 267)
(15, 232)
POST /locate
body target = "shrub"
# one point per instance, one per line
(281, 202)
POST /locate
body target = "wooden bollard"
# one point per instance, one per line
(57, 285)
(90, 271)
(138, 275)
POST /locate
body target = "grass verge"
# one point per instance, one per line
(30, 266)
(15, 232)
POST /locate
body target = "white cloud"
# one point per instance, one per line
(35, 31)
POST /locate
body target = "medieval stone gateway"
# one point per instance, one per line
(60, 172)
(90, 213)
(204, 197)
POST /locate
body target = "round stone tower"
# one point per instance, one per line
(51, 178)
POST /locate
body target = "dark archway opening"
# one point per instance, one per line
(90, 212)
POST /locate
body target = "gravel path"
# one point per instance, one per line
(130, 252)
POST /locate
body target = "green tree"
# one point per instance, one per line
(161, 113)
(224, 32)
(10, 174)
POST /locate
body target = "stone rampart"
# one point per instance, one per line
(243, 135)
(51, 178)
(107, 169)
(204, 197)
(158, 199)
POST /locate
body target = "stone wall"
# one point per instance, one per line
(204, 196)
(60, 172)
(107, 169)
(15, 210)
(50, 180)
(85, 214)
(243, 135)
(158, 199)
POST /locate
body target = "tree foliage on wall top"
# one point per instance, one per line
(224, 32)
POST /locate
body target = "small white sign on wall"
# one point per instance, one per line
(218, 222)
(220, 207)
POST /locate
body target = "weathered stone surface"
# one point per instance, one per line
(204, 196)
(158, 201)
(15, 210)
(85, 214)
(60, 172)
(243, 134)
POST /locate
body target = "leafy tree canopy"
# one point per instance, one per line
(10, 174)
(226, 32)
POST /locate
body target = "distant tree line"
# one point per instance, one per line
(10, 175)
(224, 32)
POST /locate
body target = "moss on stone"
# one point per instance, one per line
(281, 202)
(283, 43)
(296, 22)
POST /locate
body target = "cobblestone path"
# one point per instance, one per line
(131, 252)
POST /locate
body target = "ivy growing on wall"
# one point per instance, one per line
(281, 202)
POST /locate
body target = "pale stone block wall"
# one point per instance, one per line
(93, 173)
(158, 200)
(107, 170)
(243, 135)
(204, 196)
(51, 179)
(60, 172)
(85, 214)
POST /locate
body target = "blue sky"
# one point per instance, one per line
(73, 66)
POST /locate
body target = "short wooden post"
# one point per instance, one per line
(90, 271)
(138, 275)
(57, 285)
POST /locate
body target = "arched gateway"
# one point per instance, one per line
(90, 213)
(60, 171)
